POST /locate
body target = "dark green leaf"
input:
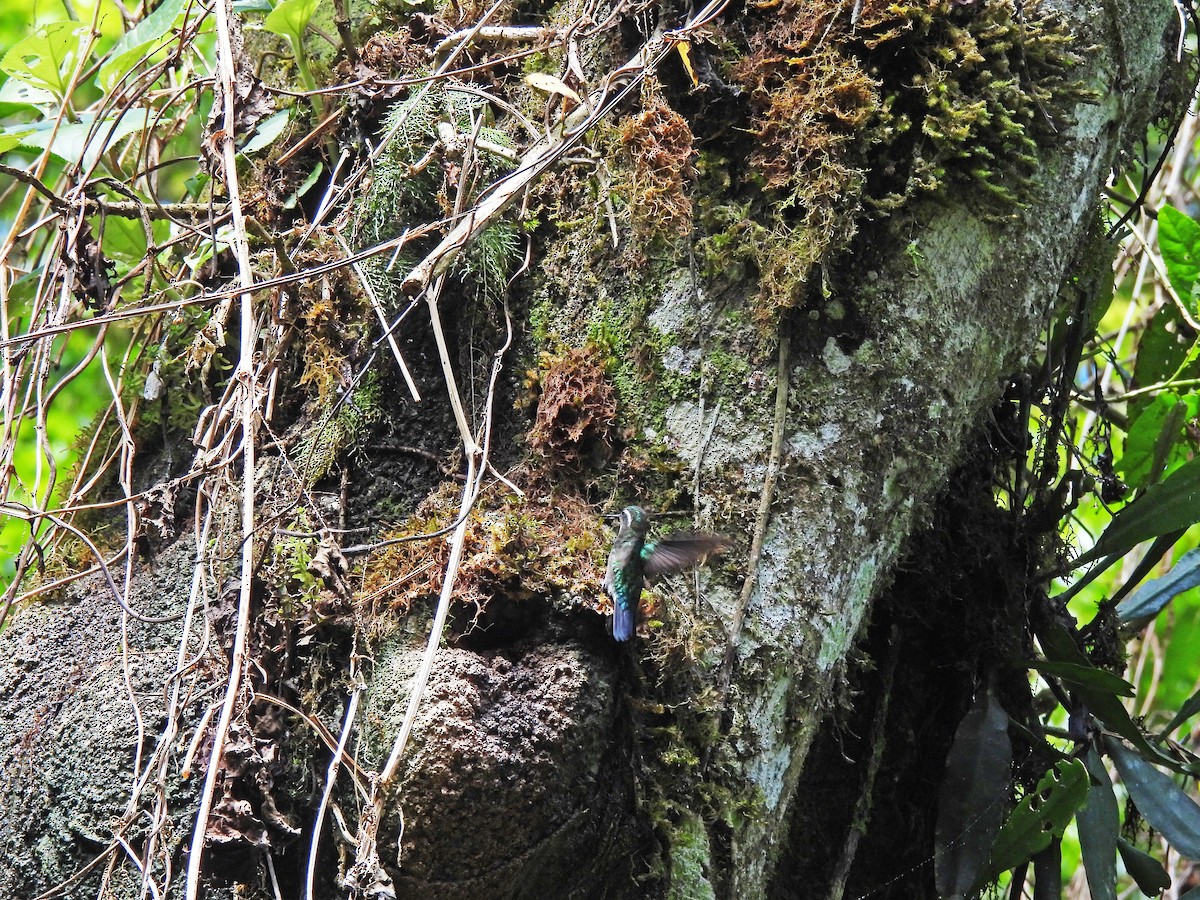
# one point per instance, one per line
(1179, 240)
(1098, 823)
(1059, 647)
(1189, 709)
(1162, 802)
(1161, 351)
(305, 187)
(1152, 556)
(1153, 597)
(267, 132)
(1171, 504)
(1084, 676)
(1040, 817)
(1152, 879)
(978, 777)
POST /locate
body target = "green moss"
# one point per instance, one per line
(690, 862)
(950, 96)
(338, 429)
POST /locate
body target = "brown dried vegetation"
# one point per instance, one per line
(575, 427)
(548, 549)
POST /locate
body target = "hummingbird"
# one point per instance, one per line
(632, 560)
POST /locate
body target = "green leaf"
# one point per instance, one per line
(289, 18)
(79, 142)
(267, 132)
(1082, 675)
(1189, 709)
(47, 58)
(1041, 816)
(307, 185)
(1153, 596)
(135, 43)
(13, 136)
(1058, 645)
(1099, 822)
(1152, 879)
(1171, 504)
(1160, 423)
(1162, 802)
(978, 776)
(1162, 350)
(18, 93)
(1179, 240)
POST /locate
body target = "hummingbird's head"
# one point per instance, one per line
(635, 519)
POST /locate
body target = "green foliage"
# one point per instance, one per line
(1040, 817)
(290, 18)
(1179, 237)
(47, 59)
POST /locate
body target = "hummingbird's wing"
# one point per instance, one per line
(678, 551)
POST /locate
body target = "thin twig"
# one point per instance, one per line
(764, 512)
(245, 376)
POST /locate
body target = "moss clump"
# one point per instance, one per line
(515, 550)
(417, 180)
(656, 148)
(338, 428)
(574, 430)
(947, 93)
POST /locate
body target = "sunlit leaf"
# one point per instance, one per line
(79, 142)
(289, 18)
(14, 137)
(18, 93)
(1179, 240)
(136, 42)
(1098, 823)
(1151, 878)
(978, 776)
(1153, 596)
(1041, 816)
(1171, 504)
(548, 84)
(47, 57)
(1162, 802)
(685, 55)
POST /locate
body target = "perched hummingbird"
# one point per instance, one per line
(632, 560)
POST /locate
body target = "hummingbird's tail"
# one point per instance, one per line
(622, 623)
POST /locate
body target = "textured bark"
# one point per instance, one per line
(527, 777)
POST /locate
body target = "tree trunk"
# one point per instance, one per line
(798, 348)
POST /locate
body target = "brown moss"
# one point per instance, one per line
(658, 145)
(574, 430)
(946, 92)
(515, 550)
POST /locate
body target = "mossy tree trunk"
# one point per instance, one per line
(782, 303)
